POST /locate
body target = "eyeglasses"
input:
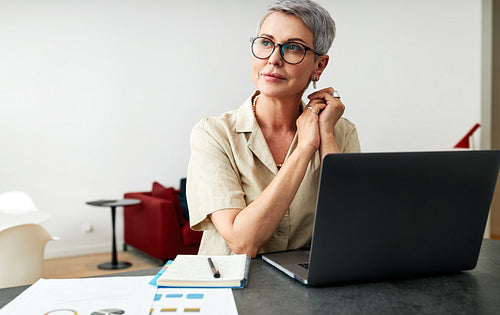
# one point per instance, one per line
(291, 52)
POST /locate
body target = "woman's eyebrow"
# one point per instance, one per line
(297, 40)
(267, 35)
(294, 39)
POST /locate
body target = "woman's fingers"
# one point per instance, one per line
(316, 106)
(321, 114)
(330, 108)
(323, 93)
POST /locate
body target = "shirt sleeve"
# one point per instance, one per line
(346, 136)
(352, 141)
(213, 181)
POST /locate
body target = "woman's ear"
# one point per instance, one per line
(322, 62)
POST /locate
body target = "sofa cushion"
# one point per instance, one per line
(160, 191)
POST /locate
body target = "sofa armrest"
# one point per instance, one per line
(153, 225)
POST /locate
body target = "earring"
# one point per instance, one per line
(315, 79)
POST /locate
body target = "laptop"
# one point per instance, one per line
(382, 216)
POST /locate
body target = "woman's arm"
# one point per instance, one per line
(247, 230)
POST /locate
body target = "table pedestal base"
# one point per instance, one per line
(114, 264)
(111, 266)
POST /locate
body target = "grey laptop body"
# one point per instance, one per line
(388, 215)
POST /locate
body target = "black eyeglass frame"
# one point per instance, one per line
(253, 39)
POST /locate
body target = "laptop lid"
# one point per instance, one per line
(385, 215)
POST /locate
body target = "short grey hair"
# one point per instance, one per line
(314, 16)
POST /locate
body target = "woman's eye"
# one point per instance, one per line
(293, 47)
(266, 43)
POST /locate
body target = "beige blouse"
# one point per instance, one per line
(231, 165)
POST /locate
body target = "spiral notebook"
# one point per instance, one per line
(194, 271)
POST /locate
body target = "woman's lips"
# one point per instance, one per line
(273, 77)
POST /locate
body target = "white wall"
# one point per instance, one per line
(98, 98)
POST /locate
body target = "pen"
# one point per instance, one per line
(215, 271)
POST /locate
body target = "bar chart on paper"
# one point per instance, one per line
(193, 301)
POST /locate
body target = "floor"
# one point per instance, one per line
(86, 266)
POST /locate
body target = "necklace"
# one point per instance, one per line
(254, 102)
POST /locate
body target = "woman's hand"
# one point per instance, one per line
(308, 131)
(332, 109)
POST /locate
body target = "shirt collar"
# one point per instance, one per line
(246, 121)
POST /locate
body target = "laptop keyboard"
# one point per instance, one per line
(305, 265)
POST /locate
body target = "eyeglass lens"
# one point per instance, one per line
(291, 52)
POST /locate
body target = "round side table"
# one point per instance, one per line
(114, 264)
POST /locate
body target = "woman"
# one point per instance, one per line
(253, 173)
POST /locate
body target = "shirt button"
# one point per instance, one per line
(279, 234)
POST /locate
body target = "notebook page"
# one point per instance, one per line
(195, 267)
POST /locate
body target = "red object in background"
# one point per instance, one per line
(465, 142)
(157, 226)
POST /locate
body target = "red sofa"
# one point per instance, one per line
(157, 226)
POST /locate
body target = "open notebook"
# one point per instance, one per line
(194, 271)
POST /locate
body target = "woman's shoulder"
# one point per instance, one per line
(345, 125)
(227, 122)
(215, 128)
(224, 120)
(347, 136)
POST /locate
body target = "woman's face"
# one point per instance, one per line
(273, 76)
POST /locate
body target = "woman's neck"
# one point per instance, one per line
(277, 114)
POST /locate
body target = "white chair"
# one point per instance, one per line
(21, 254)
(16, 202)
(17, 208)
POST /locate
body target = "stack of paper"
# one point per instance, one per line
(132, 295)
(117, 295)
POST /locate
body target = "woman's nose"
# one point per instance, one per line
(275, 57)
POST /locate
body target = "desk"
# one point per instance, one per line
(270, 291)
